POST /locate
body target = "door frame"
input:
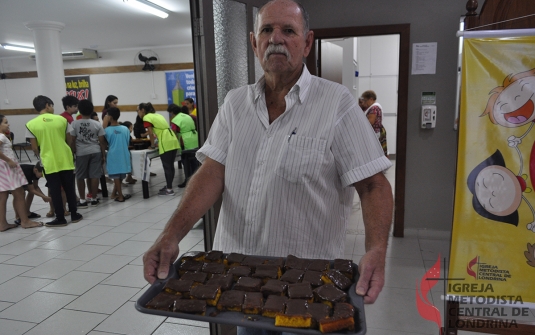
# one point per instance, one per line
(403, 30)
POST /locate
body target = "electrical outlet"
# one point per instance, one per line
(153, 96)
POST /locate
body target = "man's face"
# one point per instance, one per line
(188, 104)
(280, 25)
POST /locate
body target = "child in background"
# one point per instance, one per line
(111, 101)
(11, 179)
(50, 139)
(70, 104)
(90, 148)
(32, 173)
(118, 161)
(129, 179)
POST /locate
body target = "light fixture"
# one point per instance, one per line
(149, 7)
(14, 47)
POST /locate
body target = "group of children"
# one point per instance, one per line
(55, 138)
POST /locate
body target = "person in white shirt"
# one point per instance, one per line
(286, 154)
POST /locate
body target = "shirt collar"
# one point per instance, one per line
(301, 87)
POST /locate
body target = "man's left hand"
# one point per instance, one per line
(372, 276)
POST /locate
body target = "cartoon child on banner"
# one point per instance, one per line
(497, 191)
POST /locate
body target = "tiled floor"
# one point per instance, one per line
(85, 278)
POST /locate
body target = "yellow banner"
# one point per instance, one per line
(493, 238)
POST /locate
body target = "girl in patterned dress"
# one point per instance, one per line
(11, 179)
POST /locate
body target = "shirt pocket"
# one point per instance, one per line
(300, 159)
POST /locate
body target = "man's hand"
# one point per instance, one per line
(372, 276)
(158, 259)
(47, 199)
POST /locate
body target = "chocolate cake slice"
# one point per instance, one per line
(274, 304)
(319, 265)
(345, 266)
(343, 319)
(274, 287)
(313, 277)
(209, 293)
(162, 301)
(329, 294)
(337, 278)
(253, 303)
(295, 315)
(214, 256)
(267, 271)
(293, 262)
(179, 287)
(301, 291)
(292, 276)
(248, 284)
(223, 281)
(231, 300)
(190, 306)
(239, 271)
(198, 277)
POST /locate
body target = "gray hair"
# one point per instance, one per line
(304, 15)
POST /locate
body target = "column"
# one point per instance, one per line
(49, 60)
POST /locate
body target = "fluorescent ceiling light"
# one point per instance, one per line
(14, 47)
(149, 7)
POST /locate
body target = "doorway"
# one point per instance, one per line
(403, 30)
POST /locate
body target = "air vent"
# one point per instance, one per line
(78, 55)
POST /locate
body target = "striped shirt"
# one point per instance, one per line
(288, 184)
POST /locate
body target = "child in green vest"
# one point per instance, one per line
(184, 127)
(50, 139)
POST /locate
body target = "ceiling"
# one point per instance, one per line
(103, 25)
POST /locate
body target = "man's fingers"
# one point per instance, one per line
(364, 279)
(166, 258)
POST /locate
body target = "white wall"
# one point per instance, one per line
(131, 88)
(331, 61)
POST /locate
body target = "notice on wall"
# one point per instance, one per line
(79, 87)
(424, 58)
(180, 85)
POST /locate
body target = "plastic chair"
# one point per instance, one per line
(20, 146)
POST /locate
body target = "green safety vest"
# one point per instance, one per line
(50, 133)
(187, 130)
(167, 140)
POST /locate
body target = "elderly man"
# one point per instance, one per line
(286, 154)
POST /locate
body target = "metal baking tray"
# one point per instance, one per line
(247, 320)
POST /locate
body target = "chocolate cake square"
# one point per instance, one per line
(253, 303)
(295, 315)
(319, 265)
(192, 256)
(179, 287)
(318, 311)
(274, 304)
(190, 306)
(301, 291)
(162, 301)
(233, 259)
(267, 271)
(337, 278)
(213, 268)
(191, 266)
(223, 281)
(209, 293)
(253, 261)
(292, 276)
(312, 277)
(342, 319)
(248, 284)
(214, 256)
(293, 262)
(274, 287)
(329, 294)
(279, 261)
(239, 271)
(231, 300)
(345, 266)
(198, 277)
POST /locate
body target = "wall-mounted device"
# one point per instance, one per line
(429, 116)
(429, 110)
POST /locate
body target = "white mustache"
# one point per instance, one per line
(276, 49)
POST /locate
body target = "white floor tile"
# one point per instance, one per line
(130, 248)
(111, 220)
(431, 249)
(403, 247)
(13, 327)
(53, 269)
(403, 272)
(90, 231)
(66, 322)
(64, 243)
(47, 235)
(4, 305)
(127, 320)
(129, 276)
(102, 299)
(132, 227)
(106, 263)
(19, 288)
(20, 247)
(75, 283)
(12, 235)
(10, 271)
(34, 257)
(148, 235)
(111, 239)
(84, 252)
(175, 328)
(41, 304)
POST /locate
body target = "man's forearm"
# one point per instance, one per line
(203, 190)
(377, 205)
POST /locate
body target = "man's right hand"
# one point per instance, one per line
(158, 259)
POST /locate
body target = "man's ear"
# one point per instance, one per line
(309, 42)
(252, 37)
